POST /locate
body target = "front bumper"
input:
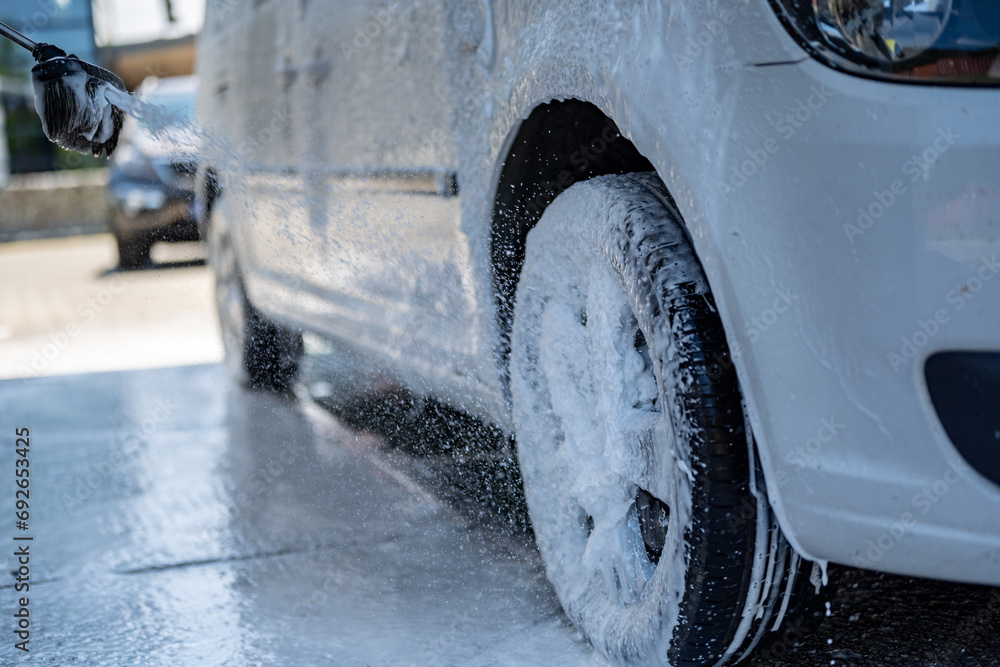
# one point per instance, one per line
(859, 236)
(152, 207)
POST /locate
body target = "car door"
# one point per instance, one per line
(369, 185)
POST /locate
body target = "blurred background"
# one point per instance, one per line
(74, 229)
(134, 38)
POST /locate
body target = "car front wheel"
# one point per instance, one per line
(639, 473)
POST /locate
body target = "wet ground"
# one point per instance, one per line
(179, 520)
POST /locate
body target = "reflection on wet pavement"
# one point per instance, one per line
(178, 520)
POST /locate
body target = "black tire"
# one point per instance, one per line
(133, 250)
(639, 473)
(260, 354)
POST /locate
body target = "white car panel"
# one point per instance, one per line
(848, 227)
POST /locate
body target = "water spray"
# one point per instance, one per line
(81, 105)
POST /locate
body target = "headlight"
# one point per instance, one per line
(920, 41)
(135, 199)
(134, 164)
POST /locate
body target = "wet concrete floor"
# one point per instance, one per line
(179, 520)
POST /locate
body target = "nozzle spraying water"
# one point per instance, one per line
(81, 105)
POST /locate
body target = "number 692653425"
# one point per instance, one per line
(21, 473)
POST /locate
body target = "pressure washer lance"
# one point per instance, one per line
(81, 105)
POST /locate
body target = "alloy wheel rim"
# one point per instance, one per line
(594, 349)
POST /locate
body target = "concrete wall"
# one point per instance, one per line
(58, 203)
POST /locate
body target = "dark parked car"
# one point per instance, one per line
(152, 173)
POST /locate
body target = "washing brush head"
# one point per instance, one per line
(80, 104)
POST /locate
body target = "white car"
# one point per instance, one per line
(727, 272)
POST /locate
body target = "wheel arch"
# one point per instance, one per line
(549, 142)
(560, 143)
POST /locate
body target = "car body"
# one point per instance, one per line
(382, 160)
(151, 182)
